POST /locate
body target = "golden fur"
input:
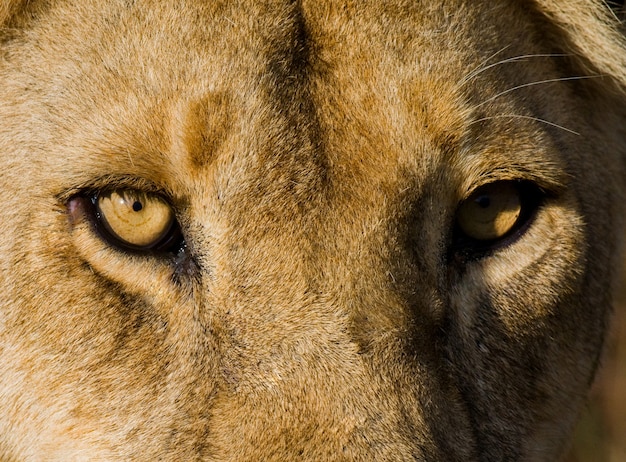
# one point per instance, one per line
(315, 154)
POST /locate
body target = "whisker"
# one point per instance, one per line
(530, 84)
(608, 7)
(479, 70)
(519, 116)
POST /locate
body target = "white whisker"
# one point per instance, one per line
(530, 84)
(608, 7)
(518, 116)
(479, 70)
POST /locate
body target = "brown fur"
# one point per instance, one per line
(314, 153)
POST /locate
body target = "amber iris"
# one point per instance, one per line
(491, 212)
(135, 218)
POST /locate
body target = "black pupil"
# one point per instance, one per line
(137, 206)
(483, 201)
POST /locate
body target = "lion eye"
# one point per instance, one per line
(135, 219)
(496, 210)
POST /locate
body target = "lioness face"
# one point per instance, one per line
(318, 230)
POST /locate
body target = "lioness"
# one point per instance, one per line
(305, 230)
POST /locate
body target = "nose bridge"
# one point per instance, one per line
(293, 240)
(315, 352)
(296, 380)
(300, 294)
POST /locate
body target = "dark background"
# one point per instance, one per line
(601, 434)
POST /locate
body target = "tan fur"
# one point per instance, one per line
(315, 153)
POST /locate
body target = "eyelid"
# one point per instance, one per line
(549, 185)
(112, 182)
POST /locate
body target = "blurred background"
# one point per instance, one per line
(601, 434)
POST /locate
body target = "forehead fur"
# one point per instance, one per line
(406, 90)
